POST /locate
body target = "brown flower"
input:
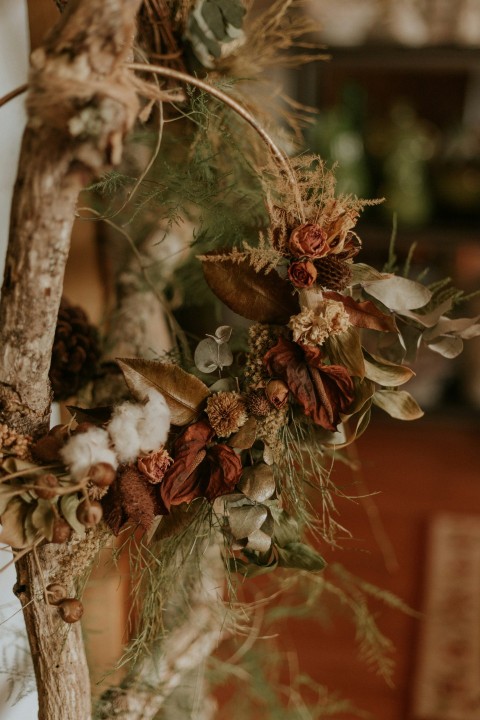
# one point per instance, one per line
(323, 391)
(308, 240)
(199, 469)
(302, 273)
(155, 465)
(226, 412)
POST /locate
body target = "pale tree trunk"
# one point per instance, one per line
(80, 106)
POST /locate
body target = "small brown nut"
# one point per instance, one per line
(61, 531)
(60, 433)
(89, 513)
(56, 593)
(46, 486)
(71, 610)
(47, 449)
(102, 474)
(277, 392)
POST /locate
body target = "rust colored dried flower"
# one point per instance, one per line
(302, 273)
(227, 413)
(308, 240)
(277, 392)
(155, 465)
(258, 404)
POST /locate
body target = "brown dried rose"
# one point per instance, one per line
(308, 240)
(323, 391)
(155, 465)
(302, 273)
(277, 392)
(199, 469)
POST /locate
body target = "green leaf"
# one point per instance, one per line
(233, 11)
(43, 518)
(183, 392)
(68, 506)
(253, 295)
(213, 17)
(211, 355)
(386, 373)
(398, 404)
(300, 556)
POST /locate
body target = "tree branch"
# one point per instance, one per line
(81, 104)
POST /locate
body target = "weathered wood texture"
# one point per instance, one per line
(81, 104)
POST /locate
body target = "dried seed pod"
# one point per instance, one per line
(89, 513)
(56, 593)
(333, 273)
(102, 474)
(47, 449)
(61, 531)
(258, 404)
(277, 392)
(71, 610)
(83, 427)
(46, 486)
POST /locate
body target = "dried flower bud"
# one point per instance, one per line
(83, 427)
(46, 486)
(89, 513)
(61, 531)
(60, 432)
(302, 273)
(56, 593)
(71, 610)
(155, 465)
(102, 474)
(308, 240)
(277, 392)
(47, 449)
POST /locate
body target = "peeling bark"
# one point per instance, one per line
(81, 104)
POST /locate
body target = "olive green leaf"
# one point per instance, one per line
(43, 518)
(300, 556)
(184, 393)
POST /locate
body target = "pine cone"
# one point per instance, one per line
(332, 273)
(75, 353)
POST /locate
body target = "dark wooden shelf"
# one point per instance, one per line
(382, 57)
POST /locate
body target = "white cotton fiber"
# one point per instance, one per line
(136, 429)
(86, 449)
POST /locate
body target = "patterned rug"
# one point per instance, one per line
(447, 679)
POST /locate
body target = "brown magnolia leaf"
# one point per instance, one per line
(385, 372)
(184, 393)
(346, 349)
(364, 314)
(246, 436)
(253, 295)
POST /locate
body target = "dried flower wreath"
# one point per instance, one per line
(228, 436)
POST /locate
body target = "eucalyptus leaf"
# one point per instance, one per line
(300, 556)
(213, 17)
(257, 482)
(398, 293)
(245, 437)
(222, 334)
(429, 319)
(223, 385)
(465, 328)
(233, 11)
(361, 273)
(259, 541)
(211, 355)
(286, 527)
(254, 567)
(386, 373)
(398, 404)
(243, 521)
(183, 392)
(68, 506)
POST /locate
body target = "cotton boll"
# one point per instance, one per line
(154, 426)
(123, 430)
(86, 449)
